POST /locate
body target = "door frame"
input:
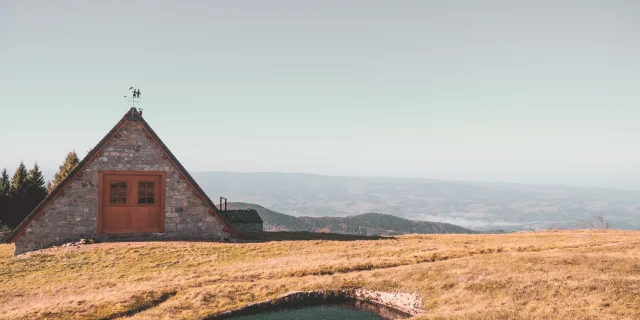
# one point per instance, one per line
(163, 192)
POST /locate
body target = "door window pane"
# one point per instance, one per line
(117, 192)
(146, 192)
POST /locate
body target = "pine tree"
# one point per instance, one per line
(19, 182)
(4, 197)
(5, 183)
(70, 162)
(36, 190)
(4, 209)
(17, 197)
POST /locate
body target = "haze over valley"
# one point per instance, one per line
(480, 206)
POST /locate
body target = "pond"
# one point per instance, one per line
(337, 312)
(347, 310)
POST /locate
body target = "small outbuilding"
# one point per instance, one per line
(247, 220)
(128, 187)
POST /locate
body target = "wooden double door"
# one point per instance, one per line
(131, 201)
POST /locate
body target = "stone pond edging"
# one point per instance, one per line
(407, 304)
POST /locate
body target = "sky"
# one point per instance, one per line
(513, 91)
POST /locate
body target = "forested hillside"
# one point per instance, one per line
(362, 224)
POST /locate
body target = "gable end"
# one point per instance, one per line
(131, 116)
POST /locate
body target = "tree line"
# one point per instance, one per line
(21, 192)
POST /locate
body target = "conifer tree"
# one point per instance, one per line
(36, 190)
(70, 162)
(4, 197)
(4, 209)
(19, 182)
(17, 197)
(5, 183)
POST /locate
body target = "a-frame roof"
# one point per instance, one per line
(132, 115)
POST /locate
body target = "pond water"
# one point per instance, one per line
(322, 312)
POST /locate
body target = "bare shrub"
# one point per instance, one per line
(603, 224)
(554, 227)
(598, 222)
(4, 232)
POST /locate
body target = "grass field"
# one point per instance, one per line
(544, 275)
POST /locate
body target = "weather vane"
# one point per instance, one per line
(135, 95)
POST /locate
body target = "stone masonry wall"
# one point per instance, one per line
(74, 214)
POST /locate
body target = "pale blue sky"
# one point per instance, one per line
(517, 91)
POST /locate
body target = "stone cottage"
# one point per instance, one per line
(128, 187)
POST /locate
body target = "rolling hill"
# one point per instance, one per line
(480, 206)
(361, 224)
(586, 274)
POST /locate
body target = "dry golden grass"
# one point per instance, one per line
(544, 275)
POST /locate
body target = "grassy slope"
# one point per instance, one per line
(561, 275)
(362, 224)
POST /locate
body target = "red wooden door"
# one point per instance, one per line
(132, 202)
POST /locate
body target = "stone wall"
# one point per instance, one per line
(73, 215)
(388, 305)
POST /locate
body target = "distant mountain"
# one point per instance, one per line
(363, 224)
(475, 205)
